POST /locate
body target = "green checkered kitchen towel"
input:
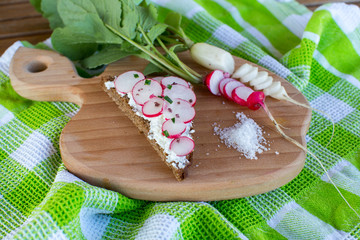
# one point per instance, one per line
(319, 52)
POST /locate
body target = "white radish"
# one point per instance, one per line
(260, 78)
(126, 81)
(212, 57)
(250, 75)
(222, 84)
(166, 81)
(275, 87)
(143, 90)
(172, 128)
(153, 107)
(242, 71)
(180, 91)
(212, 81)
(179, 109)
(264, 85)
(230, 86)
(182, 146)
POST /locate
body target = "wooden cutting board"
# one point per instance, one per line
(101, 146)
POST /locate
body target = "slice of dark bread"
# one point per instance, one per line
(143, 125)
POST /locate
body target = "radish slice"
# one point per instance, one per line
(229, 87)
(274, 88)
(145, 89)
(255, 100)
(242, 71)
(126, 81)
(241, 94)
(222, 84)
(182, 146)
(179, 91)
(179, 109)
(172, 128)
(212, 81)
(265, 84)
(250, 75)
(173, 81)
(260, 78)
(153, 108)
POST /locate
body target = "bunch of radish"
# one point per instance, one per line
(219, 83)
(169, 97)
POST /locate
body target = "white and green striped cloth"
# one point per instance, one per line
(319, 52)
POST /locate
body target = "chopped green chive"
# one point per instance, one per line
(136, 75)
(173, 120)
(169, 86)
(168, 99)
(147, 82)
(166, 133)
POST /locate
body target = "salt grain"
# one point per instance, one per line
(245, 136)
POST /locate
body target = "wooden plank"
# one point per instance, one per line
(36, 38)
(320, 2)
(315, 6)
(24, 27)
(9, 2)
(17, 11)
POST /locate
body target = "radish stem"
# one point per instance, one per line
(307, 151)
(164, 62)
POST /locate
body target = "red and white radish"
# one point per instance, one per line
(256, 100)
(153, 107)
(241, 94)
(126, 81)
(166, 81)
(180, 91)
(182, 146)
(172, 128)
(212, 81)
(222, 84)
(229, 87)
(179, 109)
(145, 89)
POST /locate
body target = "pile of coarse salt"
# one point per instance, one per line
(245, 136)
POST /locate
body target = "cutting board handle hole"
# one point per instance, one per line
(36, 66)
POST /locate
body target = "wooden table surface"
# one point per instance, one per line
(20, 21)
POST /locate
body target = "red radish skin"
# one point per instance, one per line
(173, 81)
(174, 129)
(126, 81)
(179, 91)
(241, 94)
(146, 89)
(179, 109)
(153, 108)
(229, 87)
(182, 146)
(212, 81)
(222, 84)
(256, 100)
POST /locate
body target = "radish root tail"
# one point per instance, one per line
(307, 151)
(289, 99)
